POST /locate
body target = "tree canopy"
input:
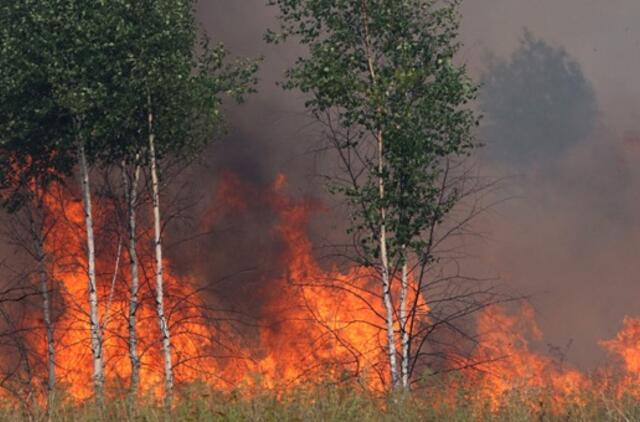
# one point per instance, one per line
(385, 66)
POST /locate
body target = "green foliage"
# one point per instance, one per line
(59, 73)
(164, 68)
(385, 69)
(35, 130)
(79, 71)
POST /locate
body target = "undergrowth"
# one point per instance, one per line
(198, 402)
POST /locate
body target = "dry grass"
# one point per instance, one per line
(197, 402)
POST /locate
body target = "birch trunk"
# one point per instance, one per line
(404, 289)
(162, 318)
(384, 264)
(382, 235)
(131, 196)
(94, 319)
(41, 256)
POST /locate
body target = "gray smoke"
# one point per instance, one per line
(561, 122)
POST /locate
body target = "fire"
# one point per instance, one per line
(325, 323)
(190, 336)
(504, 364)
(625, 347)
(321, 323)
(329, 326)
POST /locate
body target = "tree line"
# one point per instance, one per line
(128, 85)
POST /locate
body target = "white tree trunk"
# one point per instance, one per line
(46, 312)
(384, 268)
(131, 194)
(41, 256)
(162, 318)
(405, 338)
(94, 319)
(388, 306)
(382, 234)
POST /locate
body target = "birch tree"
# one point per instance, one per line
(380, 77)
(65, 48)
(125, 82)
(194, 118)
(33, 132)
(167, 103)
(77, 64)
(130, 186)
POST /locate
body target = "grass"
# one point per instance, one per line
(198, 402)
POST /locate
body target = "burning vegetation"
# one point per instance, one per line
(320, 324)
(103, 108)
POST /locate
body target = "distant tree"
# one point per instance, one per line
(537, 103)
(380, 76)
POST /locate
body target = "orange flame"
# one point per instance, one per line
(505, 364)
(625, 347)
(190, 336)
(327, 322)
(324, 323)
(329, 327)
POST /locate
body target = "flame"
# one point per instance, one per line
(325, 324)
(329, 324)
(321, 323)
(190, 334)
(504, 363)
(625, 348)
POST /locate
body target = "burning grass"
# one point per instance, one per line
(321, 358)
(509, 382)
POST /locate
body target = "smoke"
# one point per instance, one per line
(560, 125)
(267, 136)
(559, 112)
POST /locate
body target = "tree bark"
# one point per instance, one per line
(94, 319)
(41, 256)
(131, 194)
(405, 338)
(382, 234)
(162, 318)
(384, 269)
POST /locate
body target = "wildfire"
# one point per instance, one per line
(626, 347)
(321, 324)
(190, 336)
(326, 322)
(504, 363)
(330, 324)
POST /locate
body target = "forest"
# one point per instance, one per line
(168, 253)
